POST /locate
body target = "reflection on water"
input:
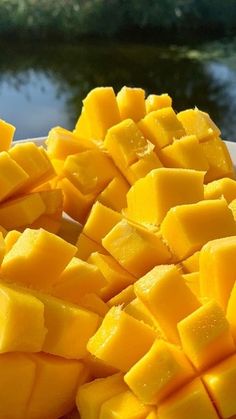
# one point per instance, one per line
(42, 86)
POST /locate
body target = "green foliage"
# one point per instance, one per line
(72, 19)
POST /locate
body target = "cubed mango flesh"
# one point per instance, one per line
(161, 127)
(136, 249)
(34, 161)
(184, 226)
(37, 259)
(219, 160)
(155, 102)
(143, 166)
(155, 290)
(91, 396)
(186, 153)
(192, 280)
(199, 123)
(206, 336)
(82, 127)
(62, 143)
(220, 383)
(90, 171)
(22, 211)
(55, 385)
(139, 311)
(69, 327)
(124, 406)
(150, 198)
(101, 111)
(100, 221)
(115, 276)
(18, 372)
(12, 176)
(191, 264)
(191, 401)
(114, 195)
(7, 132)
(123, 298)
(22, 321)
(78, 279)
(217, 262)
(10, 239)
(75, 204)
(131, 103)
(225, 187)
(161, 371)
(121, 340)
(86, 246)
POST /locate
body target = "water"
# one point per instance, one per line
(43, 86)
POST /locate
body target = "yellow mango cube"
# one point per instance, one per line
(122, 298)
(82, 127)
(191, 401)
(191, 264)
(184, 226)
(135, 248)
(126, 144)
(75, 204)
(139, 311)
(131, 103)
(100, 221)
(7, 132)
(114, 194)
(91, 396)
(225, 187)
(155, 102)
(220, 383)
(34, 161)
(143, 166)
(161, 371)
(123, 406)
(155, 290)
(12, 176)
(217, 269)
(69, 327)
(115, 276)
(192, 280)
(101, 111)
(216, 151)
(37, 259)
(199, 123)
(98, 368)
(87, 246)
(232, 206)
(53, 201)
(150, 198)
(22, 211)
(62, 143)
(161, 127)
(55, 385)
(231, 310)
(16, 381)
(205, 336)
(90, 171)
(22, 321)
(78, 279)
(185, 152)
(10, 239)
(69, 230)
(121, 340)
(94, 303)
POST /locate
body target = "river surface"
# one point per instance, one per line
(43, 85)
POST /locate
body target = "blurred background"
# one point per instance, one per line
(53, 52)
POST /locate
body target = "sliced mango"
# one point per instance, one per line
(150, 198)
(131, 103)
(155, 290)
(161, 371)
(124, 405)
(198, 123)
(135, 248)
(121, 340)
(7, 132)
(114, 195)
(155, 102)
(184, 226)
